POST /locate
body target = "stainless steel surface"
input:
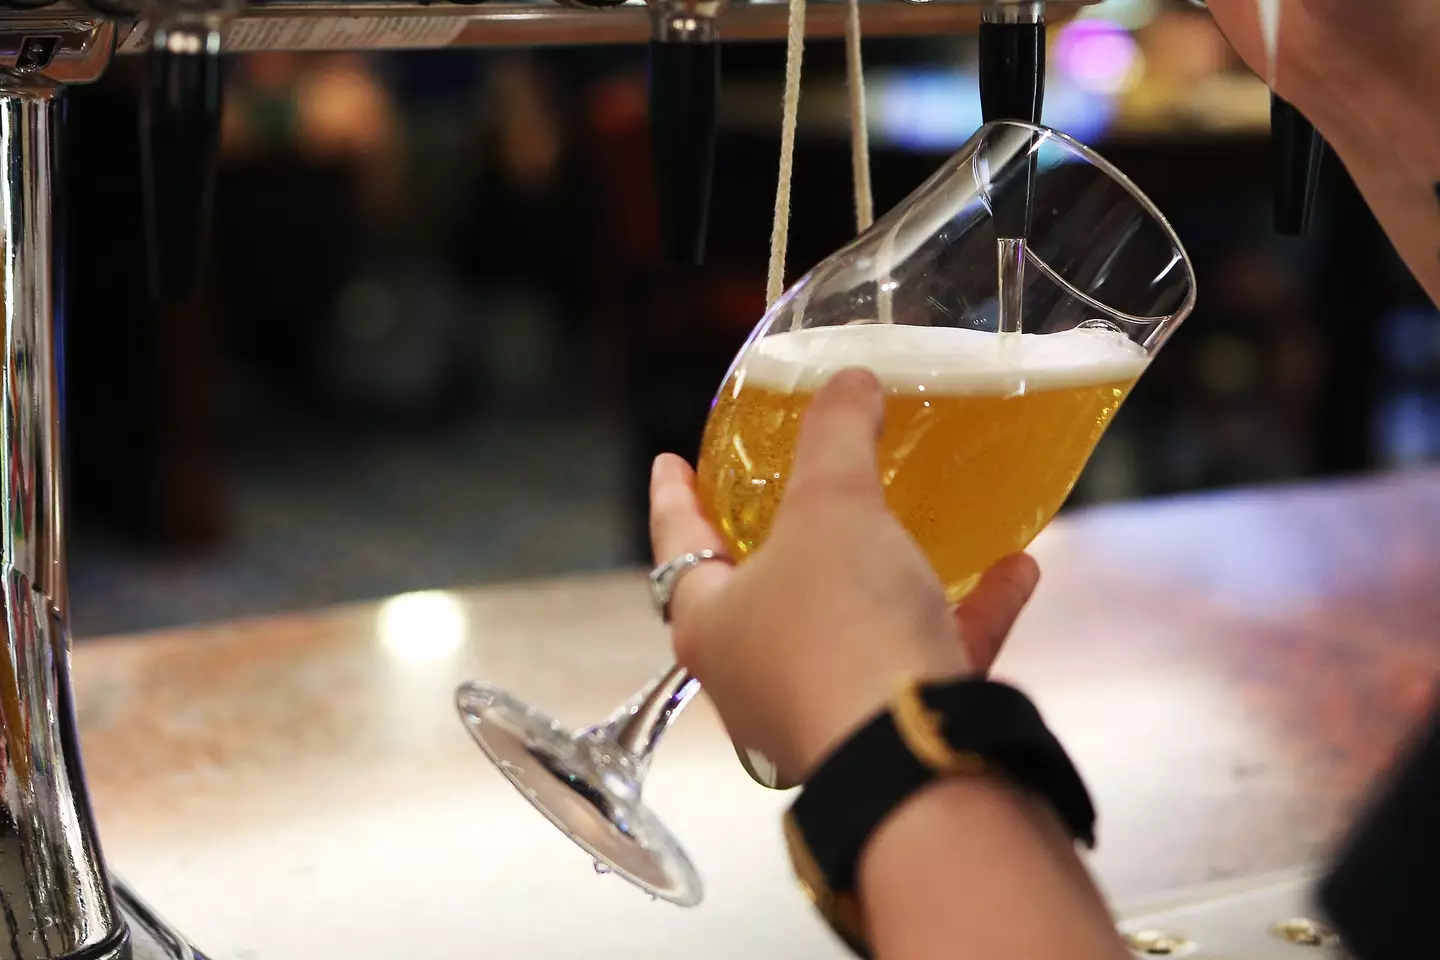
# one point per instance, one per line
(362, 24)
(187, 39)
(53, 887)
(39, 48)
(1019, 11)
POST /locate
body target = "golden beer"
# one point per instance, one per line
(985, 434)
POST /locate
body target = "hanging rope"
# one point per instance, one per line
(859, 137)
(859, 131)
(780, 230)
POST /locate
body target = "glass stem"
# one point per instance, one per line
(638, 726)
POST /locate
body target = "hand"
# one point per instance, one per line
(1334, 55)
(809, 637)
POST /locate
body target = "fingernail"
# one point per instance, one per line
(657, 469)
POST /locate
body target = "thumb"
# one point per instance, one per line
(836, 450)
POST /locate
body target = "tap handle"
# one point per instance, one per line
(684, 107)
(1012, 70)
(1297, 151)
(180, 145)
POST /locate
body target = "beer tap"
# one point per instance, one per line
(180, 138)
(1297, 152)
(1012, 60)
(179, 150)
(1012, 87)
(684, 108)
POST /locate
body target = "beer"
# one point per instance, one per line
(985, 434)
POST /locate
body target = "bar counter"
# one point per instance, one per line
(1230, 672)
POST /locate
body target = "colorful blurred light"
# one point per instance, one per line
(938, 108)
(1099, 56)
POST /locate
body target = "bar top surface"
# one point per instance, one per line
(1230, 671)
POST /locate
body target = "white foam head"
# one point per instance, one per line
(942, 361)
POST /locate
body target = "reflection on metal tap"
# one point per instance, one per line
(54, 893)
(53, 890)
(56, 898)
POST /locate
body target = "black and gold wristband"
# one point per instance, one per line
(930, 731)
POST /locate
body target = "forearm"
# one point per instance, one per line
(972, 868)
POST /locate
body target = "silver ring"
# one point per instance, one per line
(664, 578)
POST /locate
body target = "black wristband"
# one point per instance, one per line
(988, 727)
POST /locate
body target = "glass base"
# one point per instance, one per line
(584, 785)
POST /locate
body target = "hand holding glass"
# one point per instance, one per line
(1007, 306)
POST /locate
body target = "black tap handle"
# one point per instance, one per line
(684, 104)
(1297, 151)
(180, 145)
(1012, 71)
(1012, 87)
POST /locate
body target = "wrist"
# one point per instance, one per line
(832, 712)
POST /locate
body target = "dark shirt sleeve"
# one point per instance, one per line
(1382, 894)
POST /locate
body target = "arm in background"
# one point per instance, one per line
(1368, 76)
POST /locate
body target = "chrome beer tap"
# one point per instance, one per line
(57, 898)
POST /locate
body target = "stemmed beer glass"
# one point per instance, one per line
(1008, 306)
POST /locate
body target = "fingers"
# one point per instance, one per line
(678, 526)
(987, 614)
(837, 440)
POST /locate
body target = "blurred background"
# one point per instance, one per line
(438, 348)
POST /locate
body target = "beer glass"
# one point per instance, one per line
(1008, 307)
